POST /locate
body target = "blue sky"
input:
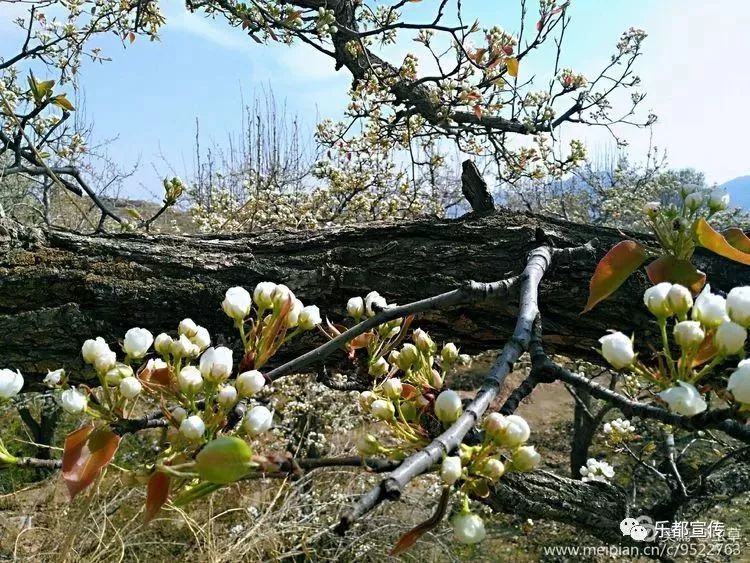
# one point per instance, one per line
(151, 93)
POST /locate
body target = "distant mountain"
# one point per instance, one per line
(739, 192)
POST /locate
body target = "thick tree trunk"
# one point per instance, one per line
(61, 288)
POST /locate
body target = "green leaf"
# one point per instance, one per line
(708, 238)
(86, 452)
(674, 270)
(224, 460)
(623, 259)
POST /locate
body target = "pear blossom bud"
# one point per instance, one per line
(694, 200)
(718, 200)
(355, 307)
(163, 344)
(292, 317)
(367, 444)
(730, 338)
(179, 414)
(374, 302)
(201, 338)
(393, 388)
(382, 409)
(655, 298)
(190, 380)
(450, 471)
(137, 342)
(258, 420)
(464, 360)
(688, 189)
(116, 374)
(739, 382)
(237, 303)
(192, 427)
(407, 356)
(738, 305)
(263, 294)
(448, 406)
(92, 349)
(437, 379)
(105, 361)
(379, 367)
(651, 209)
(449, 353)
(11, 383)
(54, 378)
(365, 400)
(281, 294)
(617, 349)
(423, 341)
(493, 468)
(684, 399)
(393, 357)
(130, 387)
(526, 458)
(514, 432)
(309, 317)
(187, 327)
(709, 308)
(216, 364)
(494, 424)
(250, 383)
(184, 348)
(73, 401)
(227, 396)
(688, 334)
(680, 300)
(468, 528)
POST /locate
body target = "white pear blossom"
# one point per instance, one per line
(281, 294)
(292, 317)
(709, 308)
(93, 348)
(382, 409)
(730, 338)
(190, 379)
(393, 388)
(216, 364)
(448, 406)
(407, 356)
(355, 307)
(73, 401)
(237, 303)
(117, 373)
(263, 294)
(515, 431)
(258, 420)
(309, 317)
(201, 338)
(193, 427)
(694, 200)
(526, 458)
(11, 383)
(468, 528)
(450, 470)
(617, 349)
(684, 399)
(739, 382)
(227, 396)
(689, 334)
(596, 470)
(619, 426)
(422, 341)
(718, 200)
(105, 361)
(163, 344)
(373, 301)
(738, 305)
(680, 300)
(379, 367)
(130, 387)
(250, 383)
(137, 342)
(184, 348)
(54, 378)
(655, 299)
(187, 327)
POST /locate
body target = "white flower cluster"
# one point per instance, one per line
(596, 470)
(619, 428)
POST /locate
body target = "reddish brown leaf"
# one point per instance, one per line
(673, 270)
(738, 239)
(478, 111)
(706, 352)
(707, 237)
(411, 537)
(623, 259)
(408, 391)
(156, 496)
(361, 341)
(87, 451)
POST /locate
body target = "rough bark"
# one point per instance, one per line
(60, 288)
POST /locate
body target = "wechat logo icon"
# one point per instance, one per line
(640, 529)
